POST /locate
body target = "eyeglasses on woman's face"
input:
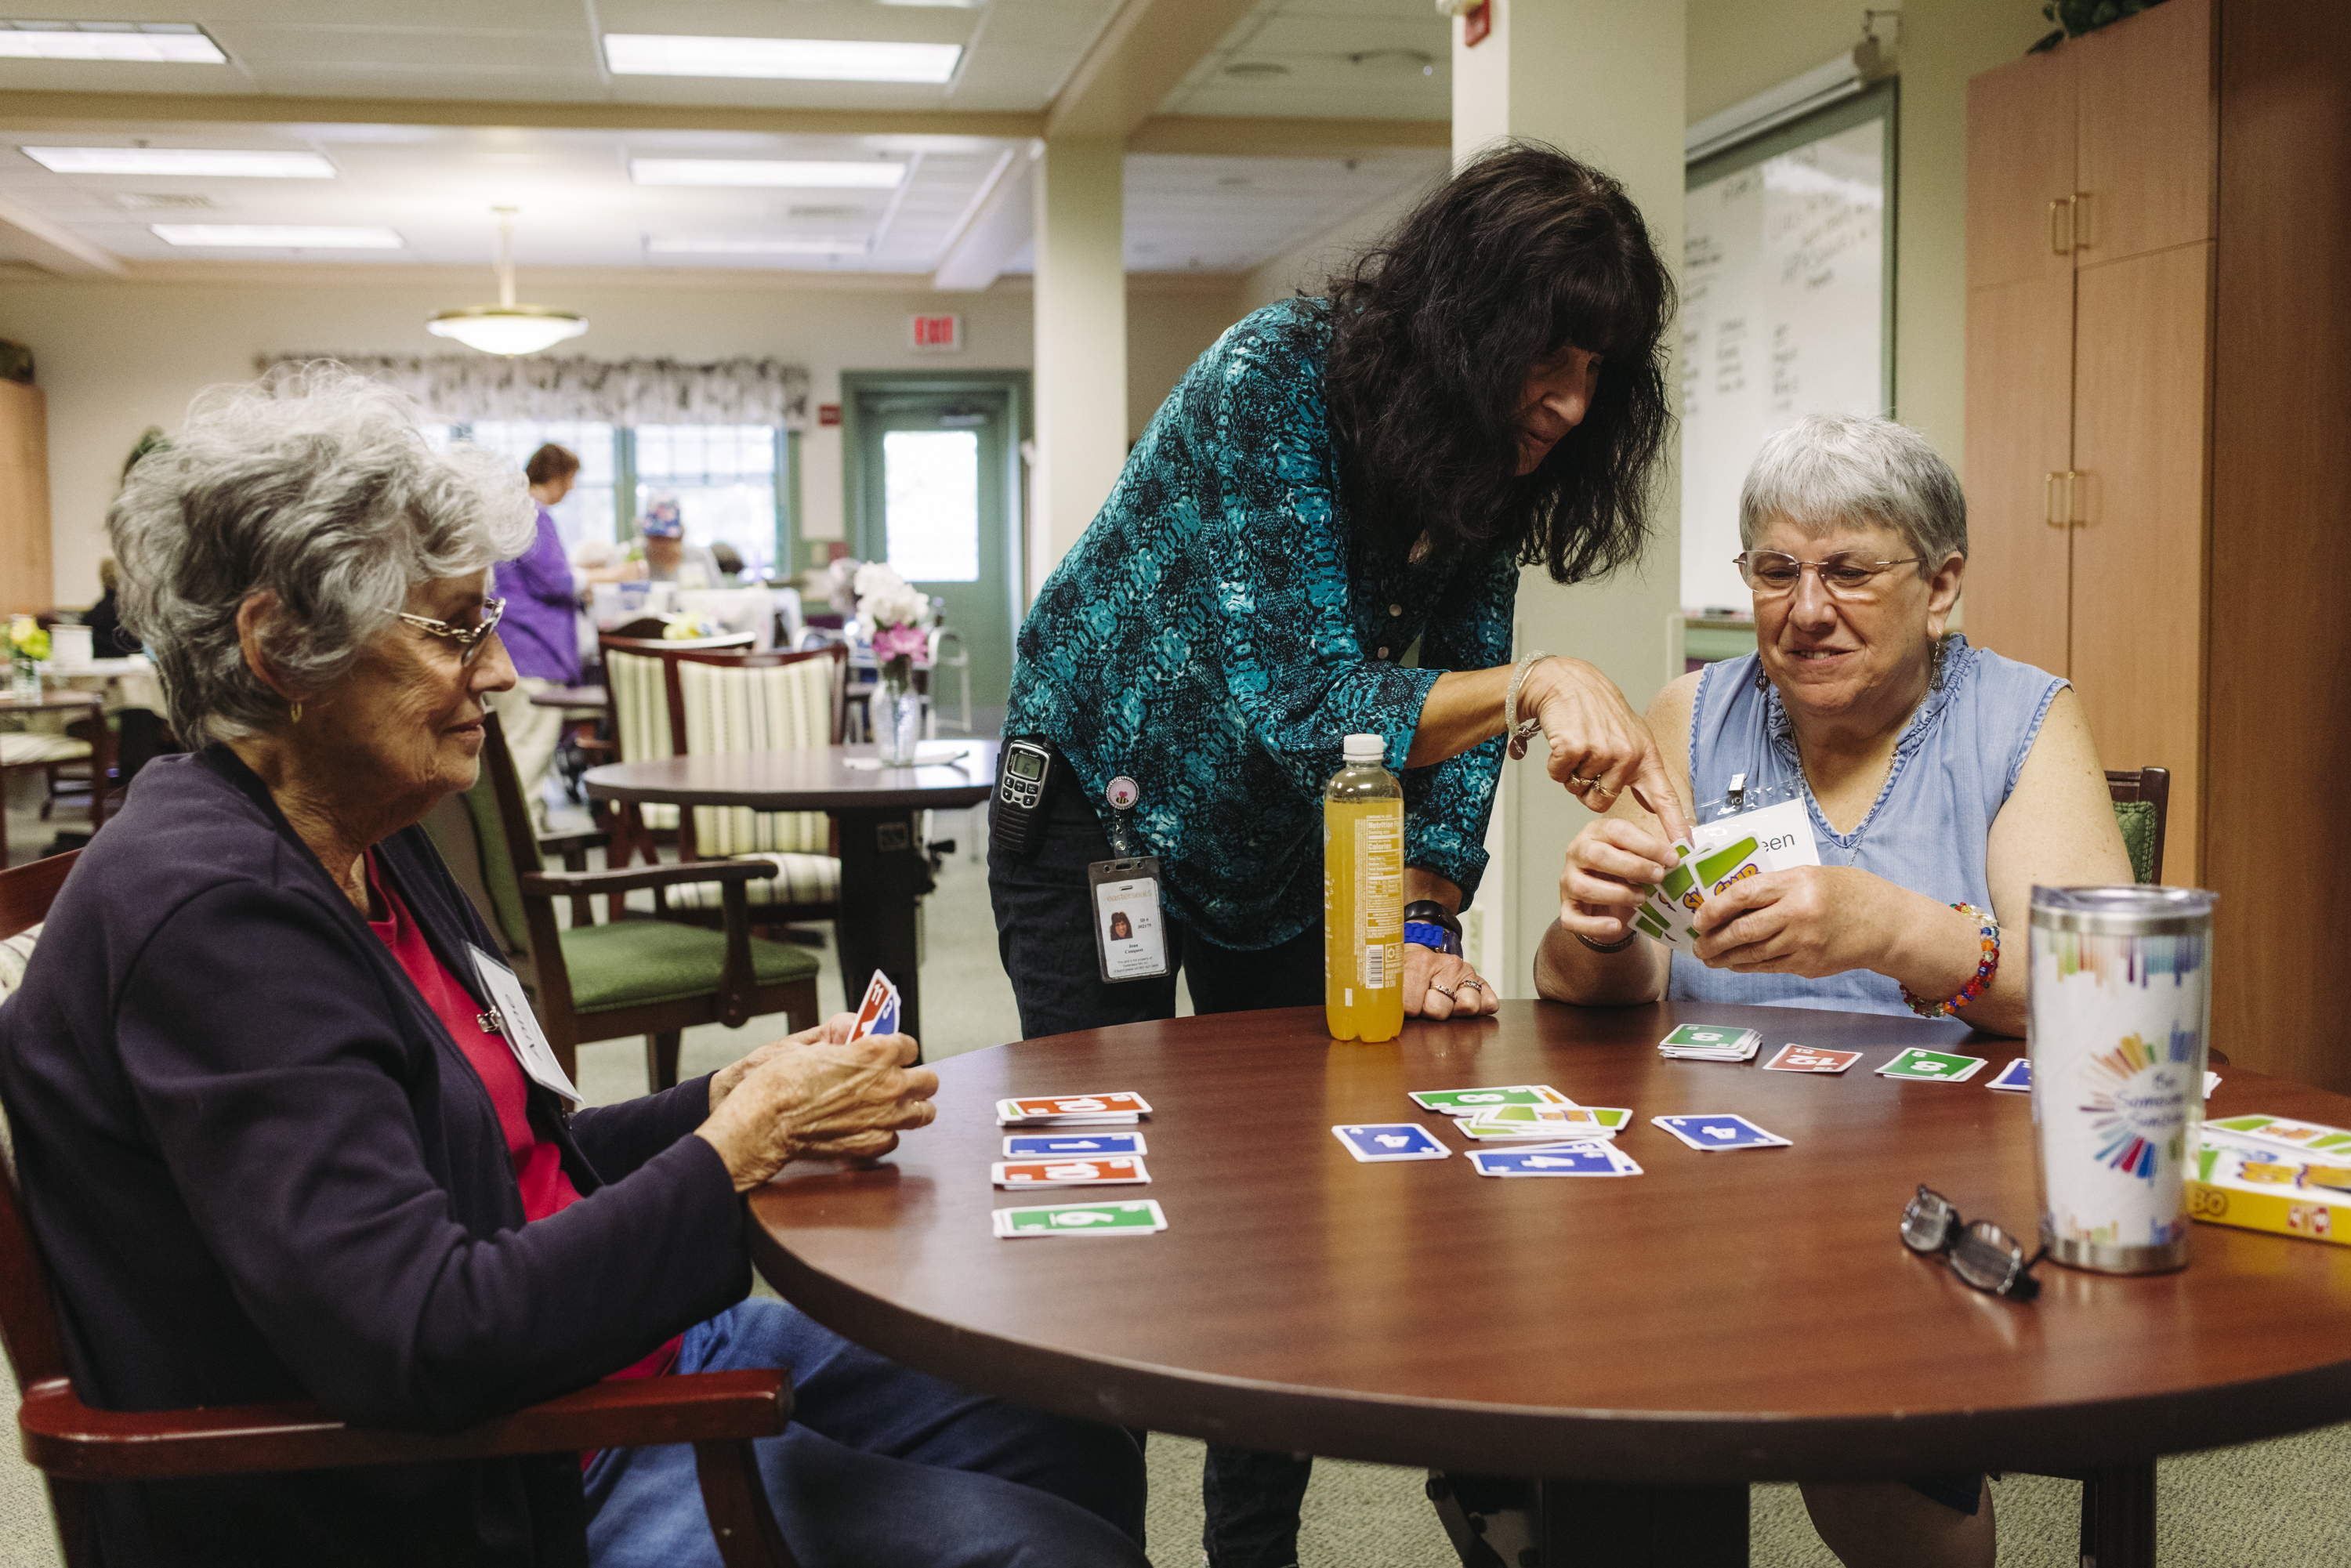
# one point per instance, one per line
(1845, 576)
(468, 639)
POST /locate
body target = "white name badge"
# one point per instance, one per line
(1784, 830)
(1129, 937)
(511, 1016)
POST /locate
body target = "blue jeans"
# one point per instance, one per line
(881, 1468)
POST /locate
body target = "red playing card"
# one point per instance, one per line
(1081, 1104)
(1122, 1169)
(1811, 1058)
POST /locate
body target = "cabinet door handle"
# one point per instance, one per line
(2077, 220)
(2049, 513)
(2073, 519)
(2061, 205)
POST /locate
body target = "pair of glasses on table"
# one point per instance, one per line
(468, 639)
(1771, 574)
(1981, 1253)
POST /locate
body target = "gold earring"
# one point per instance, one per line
(297, 712)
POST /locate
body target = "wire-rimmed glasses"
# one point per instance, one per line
(468, 639)
(1981, 1253)
(1769, 573)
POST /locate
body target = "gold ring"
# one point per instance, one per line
(1612, 794)
(1580, 779)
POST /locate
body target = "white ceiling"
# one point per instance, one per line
(435, 185)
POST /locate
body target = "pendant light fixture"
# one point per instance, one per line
(507, 328)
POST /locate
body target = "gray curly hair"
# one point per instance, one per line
(1829, 469)
(316, 484)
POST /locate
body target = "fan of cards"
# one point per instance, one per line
(1545, 1132)
(1061, 1155)
(1774, 839)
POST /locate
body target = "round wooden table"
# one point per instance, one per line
(882, 867)
(1728, 1316)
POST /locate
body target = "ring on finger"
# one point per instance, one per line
(1473, 984)
(1440, 991)
(1580, 779)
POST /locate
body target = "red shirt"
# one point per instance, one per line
(538, 1163)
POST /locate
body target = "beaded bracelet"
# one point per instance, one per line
(1986, 967)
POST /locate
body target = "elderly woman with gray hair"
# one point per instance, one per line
(1942, 782)
(274, 1145)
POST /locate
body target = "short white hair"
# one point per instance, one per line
(1831, 470)
(316, 484)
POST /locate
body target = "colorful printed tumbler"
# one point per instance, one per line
(2121, 1003)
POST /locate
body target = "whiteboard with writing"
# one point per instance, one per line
(1784, 280)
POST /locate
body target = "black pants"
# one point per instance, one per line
(1044, 933)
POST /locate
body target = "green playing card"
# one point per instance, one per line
(1082, 1220)
(1470, 1101)
(1704, 1037)
(1942, 1067)
(1713, 868)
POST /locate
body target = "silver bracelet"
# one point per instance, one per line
(1519, 733)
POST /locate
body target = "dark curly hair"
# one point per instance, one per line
(1521, 253)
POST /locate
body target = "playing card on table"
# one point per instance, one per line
(1720, 1131)
(1935, 1066)
(1586, 1158)
(2016, 1077)
(2211, 1082)
(1072, 1110)
(1375, 1142)
(2284, 1132)
(1073, 1145)
(878, 1013)
(1122, 1171)
(1811, 1058)
(1546, 1122)
(1134, 1218)
(1710, 1042)
(1470, 1101)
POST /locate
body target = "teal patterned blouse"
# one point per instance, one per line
(1208, 637)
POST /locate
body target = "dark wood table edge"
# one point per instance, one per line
(1644, 1446)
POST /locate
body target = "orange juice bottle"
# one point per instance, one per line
(1363, 896)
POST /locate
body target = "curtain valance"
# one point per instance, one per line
(461, 388)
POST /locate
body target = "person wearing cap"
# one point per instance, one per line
(668, 557)
(1320, 534)
(540, 628)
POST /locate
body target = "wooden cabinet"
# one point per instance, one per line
(2158, 455)
(25, 580)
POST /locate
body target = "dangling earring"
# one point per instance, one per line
(1935, 675)
(1762, 681)
(296, 713)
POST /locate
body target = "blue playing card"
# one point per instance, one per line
(1053, 1145)
(1720, 1131)
(2017, 1076)
(1372, 1141)
(1593, 1158)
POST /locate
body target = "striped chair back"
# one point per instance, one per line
(638, 689)
(759, 701)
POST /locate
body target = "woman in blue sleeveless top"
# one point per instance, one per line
(1942, 781)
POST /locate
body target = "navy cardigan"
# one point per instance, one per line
(259, 1169)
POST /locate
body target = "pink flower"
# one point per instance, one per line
(896, 641)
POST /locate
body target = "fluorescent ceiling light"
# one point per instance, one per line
(796, 59)
(878, 175)
(195, 163)
(749, 245)
(149, 43)
(278, 236)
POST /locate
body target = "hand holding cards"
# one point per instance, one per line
(877, 1014)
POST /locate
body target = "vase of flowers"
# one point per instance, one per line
(28, 647)
(893, 614)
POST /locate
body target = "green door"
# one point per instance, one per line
(933, 483)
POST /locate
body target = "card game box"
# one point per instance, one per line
(2255, 1186)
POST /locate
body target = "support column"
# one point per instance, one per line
(1081, 347)
(1604, 81)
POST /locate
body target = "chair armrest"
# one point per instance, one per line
(569, 844)
(68, 1439)
(558, 884)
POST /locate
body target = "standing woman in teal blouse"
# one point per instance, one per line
(1336, 482)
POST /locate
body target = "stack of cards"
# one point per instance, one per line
(1123, 1109)
(1546, 1122)
(1709, 1043)
(2016, 1078)
(1720, 1131)
(1811, 1058)
(1584, 1157)
(1473, 1102)
(1935, 1066)
(1132, 1219)
(1123, 1170)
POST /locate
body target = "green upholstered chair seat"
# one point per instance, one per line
(629, 963)
(2137, 820)
(798, 879)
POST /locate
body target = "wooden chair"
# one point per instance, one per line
(738, 702)
(74, 1446)
(637, 718)
(653, 978)
(2142, 797)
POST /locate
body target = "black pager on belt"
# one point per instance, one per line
(1024, 776)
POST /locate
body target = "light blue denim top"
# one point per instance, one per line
(1928, 830)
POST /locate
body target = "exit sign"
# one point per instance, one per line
(938, 334)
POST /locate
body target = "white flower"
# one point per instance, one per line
(886, 599)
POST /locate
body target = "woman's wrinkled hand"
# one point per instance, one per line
(833, 1030)
(819, 1099)
(1425, 969)
(1599, 747)
(1812, 921)
(1611, 866)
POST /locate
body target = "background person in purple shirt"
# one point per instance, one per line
(540, 629)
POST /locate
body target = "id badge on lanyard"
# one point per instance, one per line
(1776, 817)
(1123, 896)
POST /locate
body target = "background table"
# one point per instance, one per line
(881, 869)
(1728, 1316)
(78, 705)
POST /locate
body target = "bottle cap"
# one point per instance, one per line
(1371, 748)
